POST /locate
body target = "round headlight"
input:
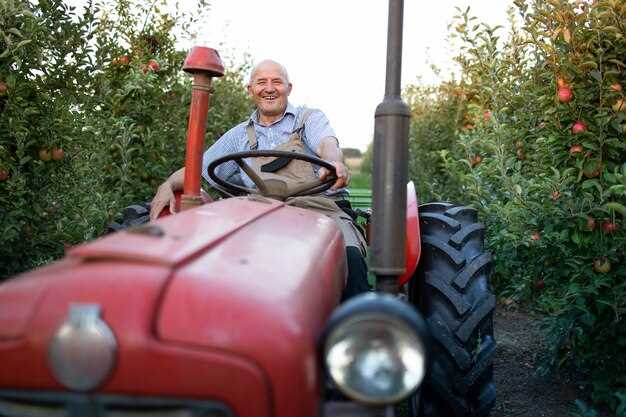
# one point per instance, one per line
(374, 354)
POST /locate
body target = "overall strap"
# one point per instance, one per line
(300, 128)
(252, 136)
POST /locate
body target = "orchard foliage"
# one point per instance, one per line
(534, 135)
(93, 116)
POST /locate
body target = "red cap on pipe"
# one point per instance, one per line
(203, 59)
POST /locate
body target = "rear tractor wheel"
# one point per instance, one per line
(451, 289)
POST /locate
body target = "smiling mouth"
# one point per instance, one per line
(269, 98)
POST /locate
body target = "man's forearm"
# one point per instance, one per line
(177, 180)
(329, 151)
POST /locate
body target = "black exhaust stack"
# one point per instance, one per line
(391, 131)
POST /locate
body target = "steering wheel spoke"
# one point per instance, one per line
(256, 179)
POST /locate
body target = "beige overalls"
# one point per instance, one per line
(297, 172)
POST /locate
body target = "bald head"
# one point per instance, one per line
(269, 64)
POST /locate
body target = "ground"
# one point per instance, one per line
(520, 391)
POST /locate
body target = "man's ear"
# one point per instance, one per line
(289, 88)
(250, 92)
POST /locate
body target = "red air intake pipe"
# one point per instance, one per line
(204, 64)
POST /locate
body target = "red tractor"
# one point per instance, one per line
(231, 308)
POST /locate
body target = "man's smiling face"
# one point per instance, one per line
(269, 88)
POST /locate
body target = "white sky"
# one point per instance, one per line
(335, 50)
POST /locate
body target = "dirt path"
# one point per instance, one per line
(520, 391)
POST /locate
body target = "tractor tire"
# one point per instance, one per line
(134, 215)
(451, 289)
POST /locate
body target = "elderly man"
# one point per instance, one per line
(272, 126)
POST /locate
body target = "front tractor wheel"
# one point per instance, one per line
(452, 291)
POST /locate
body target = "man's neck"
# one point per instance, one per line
(268, 120)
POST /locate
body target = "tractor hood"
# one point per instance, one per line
(263, 293)
(240, 288)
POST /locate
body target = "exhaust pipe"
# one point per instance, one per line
(204, 64)
(391, 132)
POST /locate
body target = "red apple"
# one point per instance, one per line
(45, 155)
(4, 174)
(579, 127)
(154, 65)
(535, 236)
(616, 87)
(121, 60)
(609, 227)
(601, 265)
(565, 94)
(540, 285)
(58, 154)
(3, 88)
(476, 160)
(486, 115)
(591, 223)
(574, 149)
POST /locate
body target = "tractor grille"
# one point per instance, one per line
(62, 404)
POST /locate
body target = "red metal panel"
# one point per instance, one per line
(128, 294)
(185, 235)
(20, 297)
(413, 241)
(264, 293)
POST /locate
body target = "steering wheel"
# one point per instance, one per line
(274, 188)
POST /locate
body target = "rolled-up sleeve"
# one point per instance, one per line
(316, 128)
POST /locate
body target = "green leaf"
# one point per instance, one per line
(616, 207)
(597, 75)
(15, 32)
(23, 43)
(591, 183)
(618, 189)
(589, 64)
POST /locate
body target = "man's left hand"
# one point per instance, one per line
(343, 175)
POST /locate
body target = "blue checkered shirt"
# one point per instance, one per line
(269, 137)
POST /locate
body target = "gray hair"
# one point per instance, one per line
(283, 70)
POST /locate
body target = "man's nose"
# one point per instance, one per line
(270, 87)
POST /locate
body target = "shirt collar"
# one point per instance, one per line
(254, 117)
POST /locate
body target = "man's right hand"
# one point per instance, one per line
(163, 197)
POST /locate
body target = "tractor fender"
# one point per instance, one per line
(413, 243)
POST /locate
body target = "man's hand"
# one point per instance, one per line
(165, 194)
(163, 197)
(343, 175)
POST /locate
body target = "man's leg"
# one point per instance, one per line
(357, 274)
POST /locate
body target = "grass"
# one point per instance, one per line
(360, 180)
